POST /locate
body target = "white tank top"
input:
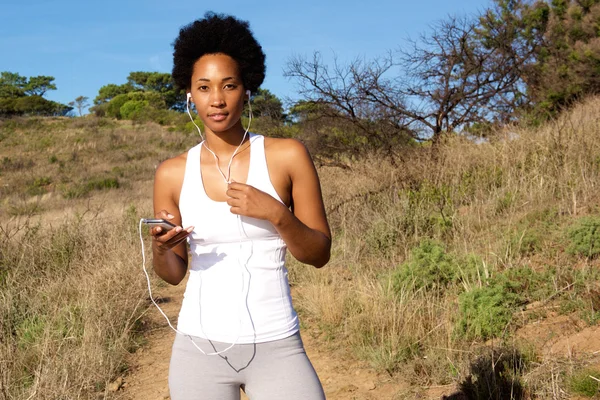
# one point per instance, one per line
(238, 290)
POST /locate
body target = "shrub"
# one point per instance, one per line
(584, 236)
(484, 312)
(430, 267)
(113, 109)
(132, 106)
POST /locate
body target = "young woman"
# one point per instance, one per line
(240, 200)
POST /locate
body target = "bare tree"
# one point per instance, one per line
(340, 92)
(448, 79)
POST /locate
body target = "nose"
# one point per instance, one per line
(217, 99)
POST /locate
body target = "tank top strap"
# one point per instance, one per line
(258, 164)
(259, 171)
(191, 175)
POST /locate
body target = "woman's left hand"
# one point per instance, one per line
(249, 201)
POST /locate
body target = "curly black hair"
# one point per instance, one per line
(218, 33)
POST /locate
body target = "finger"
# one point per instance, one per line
(237, 186)
(232, 192)
(164, 214)
(232, 201)
(180, 237)
(166, 235)
(235, 210)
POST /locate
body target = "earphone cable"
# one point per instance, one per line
(160, 309)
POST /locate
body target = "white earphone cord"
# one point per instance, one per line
(199, 294)
(240, 228)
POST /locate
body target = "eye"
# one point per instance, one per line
(230, 86)
(203, 88)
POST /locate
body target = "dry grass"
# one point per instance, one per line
(491, 199)
(70, 294)
(69, 306)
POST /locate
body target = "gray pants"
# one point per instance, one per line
(265, 371)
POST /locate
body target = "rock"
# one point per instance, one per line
(116, 384)
(350, 388)
(370, 385)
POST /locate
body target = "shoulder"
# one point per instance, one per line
(284, 149)
(172, 168)
(289, 156)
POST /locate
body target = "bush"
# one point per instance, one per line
(430, 267)
(584, 236)
(153, 99)
(132, 106)
(136, 101)
(486, 311)
(7, 106)
(113, 109)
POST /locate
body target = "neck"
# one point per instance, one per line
(227, 141)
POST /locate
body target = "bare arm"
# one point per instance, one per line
(305, 230)
(169, 249)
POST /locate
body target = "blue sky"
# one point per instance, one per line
(88, 44)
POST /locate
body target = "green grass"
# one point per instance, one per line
(585, 383)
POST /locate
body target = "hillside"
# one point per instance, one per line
(446, 261)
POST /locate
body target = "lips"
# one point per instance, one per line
(217, 116)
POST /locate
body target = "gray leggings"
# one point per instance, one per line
(272, 370)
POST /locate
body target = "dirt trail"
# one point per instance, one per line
(342, 379)
(147, 377)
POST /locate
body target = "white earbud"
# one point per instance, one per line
(248, 93)
(189, 96)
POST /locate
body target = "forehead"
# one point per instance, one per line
(215, 65)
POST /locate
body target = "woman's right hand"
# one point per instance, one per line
(166, 240)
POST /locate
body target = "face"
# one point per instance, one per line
(218, 93)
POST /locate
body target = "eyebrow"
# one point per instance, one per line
(229, 78)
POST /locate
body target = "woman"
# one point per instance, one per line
(243, 199)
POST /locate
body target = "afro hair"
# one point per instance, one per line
(218, 33)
